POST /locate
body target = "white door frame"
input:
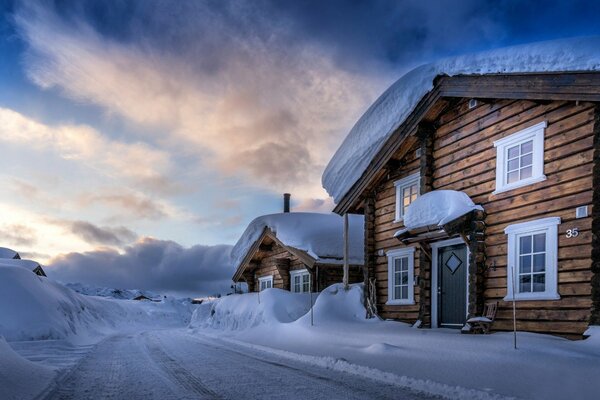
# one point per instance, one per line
(434, 276)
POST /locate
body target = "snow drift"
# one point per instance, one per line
(242, 311)
(320, 235)
(390, 110)
(335, 305)
(33, 308)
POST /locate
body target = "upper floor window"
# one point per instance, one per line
(407, 191)
(520, 158)
(532, 260)
(401, 276)
(300, 281)
(265, 282)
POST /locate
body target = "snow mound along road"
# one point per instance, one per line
(335, 305)
(37, 308)
(241, 311)
(21, 379)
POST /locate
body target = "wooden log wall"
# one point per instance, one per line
(465, 160)
(272, 265)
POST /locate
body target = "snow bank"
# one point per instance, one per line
(390, 110)
(320, 235)
(21, 379)
(241, 311)
(438, 208)
(33, 307)
(335, 305)
(27, 264)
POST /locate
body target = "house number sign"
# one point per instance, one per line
(571, 233)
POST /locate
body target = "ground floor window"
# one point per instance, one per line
(265, 282)
(532, 260)
(300, 281)
(401, 280)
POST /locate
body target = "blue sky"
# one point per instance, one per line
(181, 121)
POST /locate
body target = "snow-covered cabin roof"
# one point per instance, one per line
(5, 252)
(321, 236)
(391, 109)
(27, 264)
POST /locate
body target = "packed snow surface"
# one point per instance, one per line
(320, 235)
(7, 253)
(391, 109)
(438, 208)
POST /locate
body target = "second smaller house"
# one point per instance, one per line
(300, 252)
(33, 266)
(5, 252)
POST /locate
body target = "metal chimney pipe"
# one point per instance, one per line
(286, 202)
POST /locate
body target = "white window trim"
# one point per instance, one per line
(401, 184)
(549, 226)
(265, 279)
(392, 255)
(300, 272)
(535, 132)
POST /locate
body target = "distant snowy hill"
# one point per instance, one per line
(121, 294)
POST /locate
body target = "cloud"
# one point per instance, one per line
(150, 264)
(314, 205)
(136, 162)
(135, 205)
(102, 235)
(17, 235)
(227, 83)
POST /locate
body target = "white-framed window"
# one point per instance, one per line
(520, 158)
(300, 281)
(533, 260)
(401, 276)
(407, 191)
(265, 282)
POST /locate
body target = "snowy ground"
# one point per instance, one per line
(441, 362)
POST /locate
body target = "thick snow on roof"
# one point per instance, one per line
(5, 252)
(438, 208)
(320, 235)
(391, 109)
(27, 264)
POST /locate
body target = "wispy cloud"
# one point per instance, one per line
(117, 236)
(17, 235)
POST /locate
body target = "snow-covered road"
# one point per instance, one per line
(172, 364)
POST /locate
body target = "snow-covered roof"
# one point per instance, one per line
(437, 208)
(319, 235)
(28, 264)
(5, 252)
(392, 108)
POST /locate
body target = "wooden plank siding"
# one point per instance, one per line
(464, 159)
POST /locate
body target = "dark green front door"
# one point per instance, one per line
(452, 282)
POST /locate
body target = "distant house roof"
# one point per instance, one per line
(5, 252)
(31, 265)
(390, 111)
(318, 236)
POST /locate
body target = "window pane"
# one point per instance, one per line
(539, 262)
(525, 283)
(513, 164)
(525, 264)
(397, 278)
(404, 278)
(527, 147)
(404, 292)
(404, 264)
(539, 282)
(539, 242)
(526, 160)
(512, 177)
(397, 292)
(525, 245)
(513, 152)
(526, 172)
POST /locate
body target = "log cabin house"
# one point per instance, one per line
(30, 265)
(516, 132)
(299, 252)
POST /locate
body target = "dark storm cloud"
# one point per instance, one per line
(101, 235)
(150, 264)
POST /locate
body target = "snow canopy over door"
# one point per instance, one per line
(320, 235)
(391, 109)
(438, 208)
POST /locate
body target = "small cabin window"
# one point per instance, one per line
(520, 158)
(401, 280)
(407, 191)
(532, 260)
(300, 281)
(265, 282)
